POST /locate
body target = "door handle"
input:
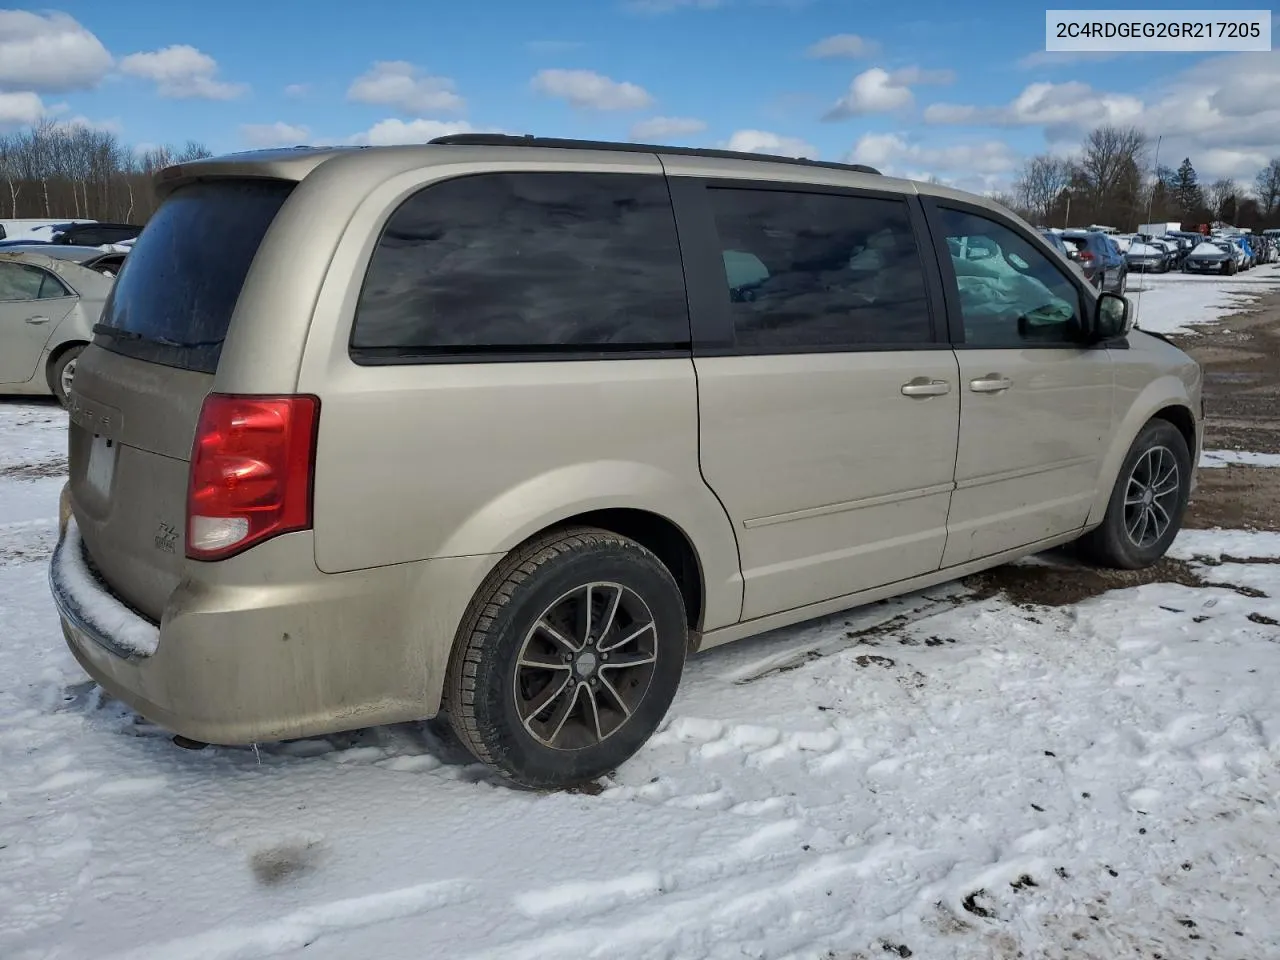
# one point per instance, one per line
(37, 320)
(924, 387)
(991, 383)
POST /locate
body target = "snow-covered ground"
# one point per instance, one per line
(1178, 302)
(1244, 458)
(943, 776)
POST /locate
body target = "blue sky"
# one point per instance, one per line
(963, 91)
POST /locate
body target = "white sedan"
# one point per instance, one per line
(48, 307)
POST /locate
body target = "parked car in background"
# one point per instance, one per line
(107, 261)
(306, 493)
(1238, 251)
(33, 228)
(1182, 245)
(1146, 256)
(1103, 264)
(95, 234)
(48, 307)
(1251, 255)
(1054, 240)
(1211, 256)
(109, 264)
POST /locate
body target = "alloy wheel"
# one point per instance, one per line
(1151, 496)
(68, 374)
(585, 666)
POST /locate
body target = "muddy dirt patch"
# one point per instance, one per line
(35, 471)
(1067, 581)
(1236, 498)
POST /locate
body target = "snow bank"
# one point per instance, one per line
(1177, 303)
(1248, 458)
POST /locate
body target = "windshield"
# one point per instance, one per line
(173, 300)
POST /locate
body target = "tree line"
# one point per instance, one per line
(58, 170)
(1111, 182)
(62, 170)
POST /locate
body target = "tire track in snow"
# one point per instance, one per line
(301, 928)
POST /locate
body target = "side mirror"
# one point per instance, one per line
(1114, 318)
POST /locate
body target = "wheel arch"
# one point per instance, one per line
(55, 354)
(1164, 399)
(665, 539)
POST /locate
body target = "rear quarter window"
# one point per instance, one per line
(525, 265)
(173, 305)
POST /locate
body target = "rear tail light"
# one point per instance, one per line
(252, 465)
(1086, 256)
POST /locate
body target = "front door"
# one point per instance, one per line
(1035, 400)
(828, 419)
(32, 303)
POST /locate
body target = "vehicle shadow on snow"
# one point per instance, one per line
(1052, 579)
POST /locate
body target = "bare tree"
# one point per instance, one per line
(1224, 199)
(193, 150)
(11, 169)
(1110, 167)
(59, 170)
(1040, 184)
(1267, 187)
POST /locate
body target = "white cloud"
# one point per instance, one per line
(842, 45)
(586, 89)
(181, 72)
(550, 48)
(394, 131)
(1063, 58)
(762, 141)
(396, 83)
(879, 91)
(892, 153)
(296, 91)
(49, 52)
(20, 109)
(276, 134)
(1223, 113)
(1063, 109)
(81, 122)
(657, 127)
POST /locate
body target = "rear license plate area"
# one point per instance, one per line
(101, 467)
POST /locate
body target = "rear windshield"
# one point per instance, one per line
(173, 300)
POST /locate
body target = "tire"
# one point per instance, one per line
(62, 371)
(492, 695)
(1124, 285)
(1120, 541)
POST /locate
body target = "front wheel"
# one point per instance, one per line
(569, 658)
(1147, 502)
(62, 372)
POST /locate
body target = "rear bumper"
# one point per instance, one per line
(272, 649)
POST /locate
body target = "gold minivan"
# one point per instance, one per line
(502, 429)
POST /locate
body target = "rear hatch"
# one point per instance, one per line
(138, 390)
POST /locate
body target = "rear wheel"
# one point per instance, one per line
(569, 658)
(1147, 503)
(62, 372)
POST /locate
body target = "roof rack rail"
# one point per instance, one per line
(507, 140)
